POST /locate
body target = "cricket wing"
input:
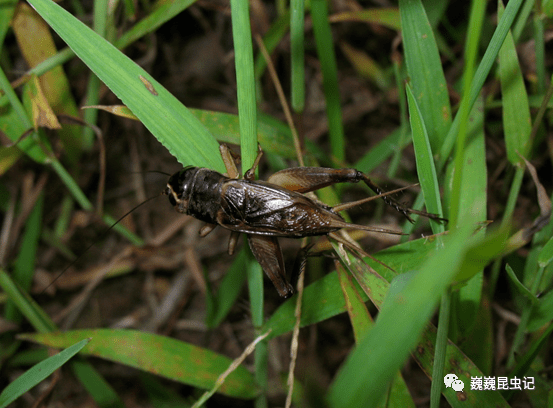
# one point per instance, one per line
(264, 209)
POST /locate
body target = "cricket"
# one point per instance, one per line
(267, 210)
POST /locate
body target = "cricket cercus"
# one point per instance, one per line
(266, 210)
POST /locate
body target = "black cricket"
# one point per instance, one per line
(266, 210)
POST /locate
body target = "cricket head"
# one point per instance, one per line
(179, 187)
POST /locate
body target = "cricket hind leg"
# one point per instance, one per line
(355, 249)
(305, 252)
(306, 179)
(267, 252)
(300, 263)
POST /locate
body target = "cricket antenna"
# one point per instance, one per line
(102, 235)
(159, 172)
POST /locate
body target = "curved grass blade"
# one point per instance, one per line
(37, 373)
(164, 356)
(168, 120)
(97, 386)
(362, 322)
(403, 319)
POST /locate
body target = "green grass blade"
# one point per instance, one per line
(546, 255)
(388, 17)
(272, 38)
(164, 12)
(6, 14)
(361, 321)
(471, 54)
(92, 98)
(25, 263)
(228, 291)
(327, 56)
(481, 74)
(97, 386)
(471, 209)
(255, 290)
(37, 373)
(425, 162)
(516, 110)
(247, 116)
(539, 38)
(26, 305)
(243, 54)
(425, 70)
(168, 120)
(402, 319)
(164, 356)
(297, 26)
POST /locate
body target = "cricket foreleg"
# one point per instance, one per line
(206, 229)
(250, 174)
(266, 250)
(230, 164)
(232, 241)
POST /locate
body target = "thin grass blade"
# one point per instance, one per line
(426, 169)
(516, 110)
(38, 373)
(245, 81)
(425, 70)
(327, 56)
